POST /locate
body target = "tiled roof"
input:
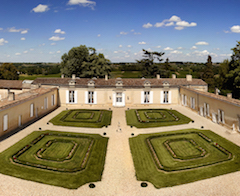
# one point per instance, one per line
(127, 82)
(214, 96)
(11, 84)
(22, 97)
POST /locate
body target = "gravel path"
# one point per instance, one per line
(119, 174)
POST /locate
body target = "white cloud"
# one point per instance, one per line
(58, 52)
(179, 28)
(123, 33)
(25, 52)
(99, 35)
(180, 48)
(225, 55)
(176, 52)
(51, 52)
(1, 29)
(226, 31)
(31, 49)
(3, 41)
(40, 8)
(56, 38)
(23, 38)
(13, 30)
(59, 31)
(129, 46)
(158, 46)
(17, 54)
(235, 29)
(84, 3)
(159, 24)
(115, 52)
(186, 24)
(120, 46)
(137, 33)
(53, 44)
(175, 18)
(24, 31)
(169, 24)
(194, 48)
(201, 53)
(148, 25)
(202, 43)
(168, 48)
(141, 43)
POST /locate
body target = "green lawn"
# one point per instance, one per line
(144, 118)
(179, 157)
(83, 118)
(56, 158)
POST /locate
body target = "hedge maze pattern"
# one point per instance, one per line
(73, 143)
(186, 151)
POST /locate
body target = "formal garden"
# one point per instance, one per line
(56, 158)
(83, 118)
(179, 157)
(144, 118)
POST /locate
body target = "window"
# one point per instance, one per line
(192, 102)
(71, 97)
(221, 116)
(31, 110)
(53, 100)
(119, 97)
(90, 96)
(45, 103)
(5, 122)
(146, 96)
(165, 98)
(19, 120)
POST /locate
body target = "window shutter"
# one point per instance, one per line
(182, 99)
(114, 99)
(123, 99)
(151, 97)
(205, 109)
(67, 96)
(95, 97)
(169, 96)
(219, 119)
(142, 97)
(161, 96)
(5, 122)
(193, 100)
(223, 121)
(185, 100)
(208, 112)
(75, 97)
(86, 97)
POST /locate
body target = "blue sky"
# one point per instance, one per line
(189, 30)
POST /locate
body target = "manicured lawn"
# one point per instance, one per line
(63, 159)
(179, 157)
(83, 118)
(144, 118)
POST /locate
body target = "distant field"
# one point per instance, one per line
(125, 74)
(33, 77)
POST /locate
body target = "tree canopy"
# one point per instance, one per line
(208, 74)
(149, 68)
(8, 72)
(84, 62)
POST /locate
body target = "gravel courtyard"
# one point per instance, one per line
(119, 175)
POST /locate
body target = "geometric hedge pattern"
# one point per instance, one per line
(51, 147)
(185, 151)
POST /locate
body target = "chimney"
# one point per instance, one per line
(229, 95)
(217, 91)
(11, 96)
(73, 76)
(106, 77)
(62, 76)
(189, 77)
(158, 76)
(173, 76)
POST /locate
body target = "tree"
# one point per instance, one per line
(84, 62)
(208, 74)
(8, 72)
(150, 69)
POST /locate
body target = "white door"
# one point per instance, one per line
(119, 99)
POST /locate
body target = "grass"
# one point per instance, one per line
(165, 170)
(126, 74)
(155, 118)
(83, 118)
(52, 166)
